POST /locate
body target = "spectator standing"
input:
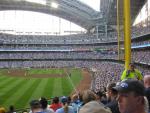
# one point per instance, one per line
(112, 96)
(132, 73)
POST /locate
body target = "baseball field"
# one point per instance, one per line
(19, 86)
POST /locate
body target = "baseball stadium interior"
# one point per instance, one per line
(68, 35)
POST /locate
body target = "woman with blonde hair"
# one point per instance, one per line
(88, 96)
(91, 105)
(2, 110)
(65, 107)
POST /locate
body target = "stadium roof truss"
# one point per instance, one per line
(71, 10)
(76, 11)
(110, 9)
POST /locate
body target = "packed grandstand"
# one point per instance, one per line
(96, 48)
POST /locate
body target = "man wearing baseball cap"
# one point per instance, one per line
(130, 96)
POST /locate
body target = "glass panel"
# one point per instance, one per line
(27, 22)
(95, 4)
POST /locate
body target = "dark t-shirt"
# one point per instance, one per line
(113, 105)
(147, 94)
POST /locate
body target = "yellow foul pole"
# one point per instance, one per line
(118, 29)
(127, 33)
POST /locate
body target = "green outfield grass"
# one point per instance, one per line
(19, 91)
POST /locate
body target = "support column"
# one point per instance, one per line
(147, 13)
(59, 26)
(106, 30)
(97, 31)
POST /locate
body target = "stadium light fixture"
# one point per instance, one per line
(43, 2)
(54, 5)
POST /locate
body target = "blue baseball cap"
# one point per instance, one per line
(64, 99)
(130, 85)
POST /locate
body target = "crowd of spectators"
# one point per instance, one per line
(107, 72)
(141, 56)
(56, 47)
(140, 29)
(136, 31)
(104, 73)
(69, 39)
(141, 43)
(59, 55)
(48, 64)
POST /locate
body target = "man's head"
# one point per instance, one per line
(110, 91)
(130, 96)
(43, 102)
(99, 95)
(131, 66)
(56, 100)
(88, 96)
(74, 97)
(64, 99)
(147, 86)
(147, 81)
(94, 107)
(35, 106)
